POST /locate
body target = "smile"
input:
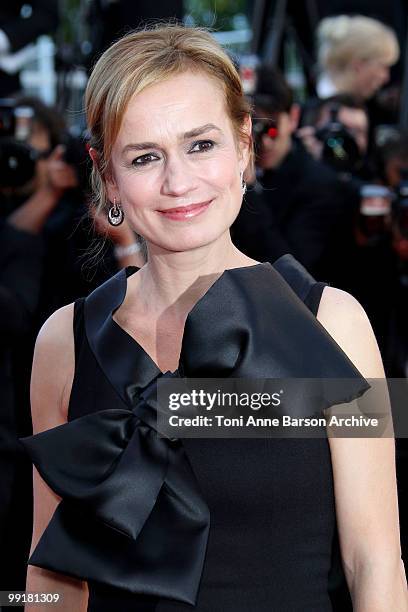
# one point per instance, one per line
(185, 212)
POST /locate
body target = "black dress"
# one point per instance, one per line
(228, 525)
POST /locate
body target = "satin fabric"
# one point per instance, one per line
(132, 514)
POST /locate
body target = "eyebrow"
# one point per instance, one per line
(141, 146)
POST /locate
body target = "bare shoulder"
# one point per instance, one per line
(53, 369)
(347, 322)
(53, 328)
(339, 307)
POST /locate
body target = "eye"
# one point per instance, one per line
(204, 145)
(143, 160)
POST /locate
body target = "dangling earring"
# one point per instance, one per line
(115, 214)
(243, 183)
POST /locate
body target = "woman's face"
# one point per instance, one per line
(176, 149)
(370, 76)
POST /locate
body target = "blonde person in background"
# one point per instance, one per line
(131, 521)
(355, 54)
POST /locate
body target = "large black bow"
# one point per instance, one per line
(135, 483)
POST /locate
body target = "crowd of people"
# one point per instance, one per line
(330, 187)
(325, 189)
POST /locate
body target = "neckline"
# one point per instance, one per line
(242, 344)
(128, 271)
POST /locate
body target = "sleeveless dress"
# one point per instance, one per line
(234, 525)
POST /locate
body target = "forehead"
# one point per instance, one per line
(179, 103)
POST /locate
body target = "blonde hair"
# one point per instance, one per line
(145, 57)
(344, 38)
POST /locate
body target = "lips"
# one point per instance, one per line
(185, 213)
(185, 209)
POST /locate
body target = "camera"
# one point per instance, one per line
(340, 149)
(263, 126)
(382, 210)
(17, 158)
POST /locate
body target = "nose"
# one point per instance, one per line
(179, 179)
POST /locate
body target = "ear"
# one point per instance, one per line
(110, 183)
(93, 154)
(294, 116)
(245, 144)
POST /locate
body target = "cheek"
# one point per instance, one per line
(384, 75)
(375, 76)
(137, 189)
(222, 173)
(365, 76)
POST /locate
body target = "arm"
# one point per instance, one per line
(53, 177)
(364, 477)
(51, 382)
(32, 215)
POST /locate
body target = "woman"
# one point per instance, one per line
(355, 54)
(171, 141)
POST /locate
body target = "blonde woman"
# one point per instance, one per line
(127, 520)
(355, 54)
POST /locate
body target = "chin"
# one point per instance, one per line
(189, 239)
(194, 233)
(269, 161)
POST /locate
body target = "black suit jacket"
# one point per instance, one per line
(21, 257)
(300, 208)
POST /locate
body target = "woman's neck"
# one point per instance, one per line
(173, 282)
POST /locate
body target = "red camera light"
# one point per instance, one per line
(273, 132)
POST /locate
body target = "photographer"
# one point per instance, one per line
(28, 194)
(336, 131)
(296, 204)
(21, 259)
(44, 189)
(46, 232)
(56, 196)
(393, 160)
(339, 136)
(21, 264)
(355, 54)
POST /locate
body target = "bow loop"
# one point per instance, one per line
(145, 401)
(113, 466)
